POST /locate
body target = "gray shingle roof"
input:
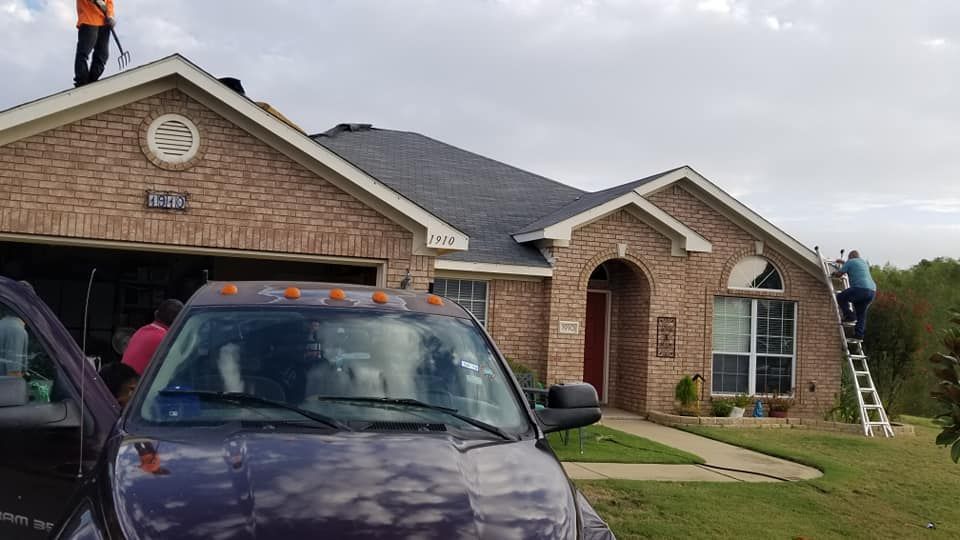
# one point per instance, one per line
(484, 198)
(588, 201)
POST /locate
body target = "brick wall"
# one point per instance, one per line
(87, 180)
(516, 318)
(681, 287)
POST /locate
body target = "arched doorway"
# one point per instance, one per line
(616, 333)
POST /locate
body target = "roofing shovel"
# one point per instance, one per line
(124, 59)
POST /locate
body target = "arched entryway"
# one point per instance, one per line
(616, 333)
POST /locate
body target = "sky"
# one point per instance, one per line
(837, 120)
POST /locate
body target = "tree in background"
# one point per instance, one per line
(937, 282)
(948, 389)
(898, 330)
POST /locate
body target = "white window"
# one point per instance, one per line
(470, 294)
(755, 273)
(754, 350)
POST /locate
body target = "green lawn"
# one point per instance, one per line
(916, 420)
(605, 445)
(871, 488)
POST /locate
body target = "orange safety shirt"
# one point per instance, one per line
(88, 13)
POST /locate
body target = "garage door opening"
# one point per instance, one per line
(129, 284)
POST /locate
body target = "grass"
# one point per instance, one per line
(871, 488)
(604, 445)
(917, 421)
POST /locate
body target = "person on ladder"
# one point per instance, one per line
(94, 21)
(861, 292)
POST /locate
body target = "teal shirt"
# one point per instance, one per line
(859, 273)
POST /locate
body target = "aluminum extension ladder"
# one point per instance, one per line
(872, 413)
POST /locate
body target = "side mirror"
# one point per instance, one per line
(569, 406)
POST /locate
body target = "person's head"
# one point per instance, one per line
(167, 311)
(854, 254)
(121, 379)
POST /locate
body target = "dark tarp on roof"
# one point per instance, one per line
(486, 199)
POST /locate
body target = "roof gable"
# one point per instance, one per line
(557, 227)
(431, 233)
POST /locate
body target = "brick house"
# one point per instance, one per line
(162, 176)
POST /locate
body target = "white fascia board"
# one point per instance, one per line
(438, 234)
(492, 268)
(684, 238)
(738, 208)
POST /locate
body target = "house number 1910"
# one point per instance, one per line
(442, 240)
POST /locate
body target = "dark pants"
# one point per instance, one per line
(860, 298)
(96, 39)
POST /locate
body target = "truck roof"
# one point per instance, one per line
(274, 293)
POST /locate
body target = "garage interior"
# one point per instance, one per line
(129, 284)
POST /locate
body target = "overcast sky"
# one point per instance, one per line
(835, 119)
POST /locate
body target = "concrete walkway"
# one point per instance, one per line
(724, 462)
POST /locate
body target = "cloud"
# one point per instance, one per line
(592, 93)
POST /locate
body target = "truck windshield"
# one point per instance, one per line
(348, 365)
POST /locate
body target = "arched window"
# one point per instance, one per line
(754, 272)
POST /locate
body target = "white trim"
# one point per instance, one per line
(192, 250)
(606, 344)
(683, 238)
(491, 268)
(737, 208)
(21, 121)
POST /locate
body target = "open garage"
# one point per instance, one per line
(129, 283)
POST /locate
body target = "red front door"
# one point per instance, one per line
(595, 340)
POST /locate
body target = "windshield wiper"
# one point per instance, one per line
(410, 402)
(242, 398)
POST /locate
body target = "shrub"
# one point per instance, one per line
(721, 407)
(742, 400)
(948, 389)
(779, 404)
(686, 393)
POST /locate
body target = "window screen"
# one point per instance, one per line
(470, 294)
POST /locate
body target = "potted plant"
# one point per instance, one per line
(779, 406)
(723, 407)
(740, 404)
(686, 394)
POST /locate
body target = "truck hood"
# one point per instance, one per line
(250, 484)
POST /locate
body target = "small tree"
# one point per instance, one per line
(948, 389)
(686, 393)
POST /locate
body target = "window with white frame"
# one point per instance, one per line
(470, 294)
(753, 272)
(754, 346)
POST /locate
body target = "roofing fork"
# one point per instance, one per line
(124, 59)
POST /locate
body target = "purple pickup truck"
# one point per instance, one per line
(284, 411)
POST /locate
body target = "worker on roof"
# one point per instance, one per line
(94, 22)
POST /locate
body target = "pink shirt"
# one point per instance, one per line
(142, 345)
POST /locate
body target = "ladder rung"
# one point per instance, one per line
(870, 389)
(854, 340)
(872, 406)
(877, 423)
(861, 373)
(857, 356)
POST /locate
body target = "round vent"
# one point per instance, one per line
(173, 138)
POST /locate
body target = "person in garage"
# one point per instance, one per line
(145, 341)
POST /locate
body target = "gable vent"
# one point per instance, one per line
(173, 138)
